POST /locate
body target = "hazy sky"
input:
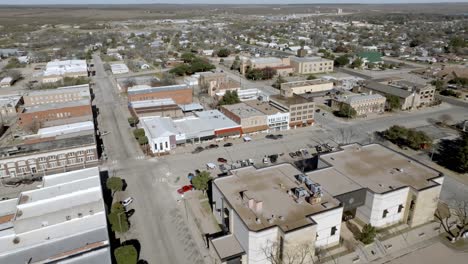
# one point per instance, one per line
(25, 2)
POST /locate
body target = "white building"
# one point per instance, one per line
(277, 120)
(6, 82)
(64, 220)
(119, 68)
(56, 70)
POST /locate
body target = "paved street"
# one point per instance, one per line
(158, 223)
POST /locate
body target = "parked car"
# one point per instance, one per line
(227, 144)
(197, 150)
(279, 136)
(210, 166)
(185, 189)
(222, 160)
(222, 167)
(292, 154)
(211, 146)
(270, 136)
(247, 139)
(298, 153)
(127, 201)
(265, 160)
(318, 148)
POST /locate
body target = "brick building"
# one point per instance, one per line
(181, 93)
(251, 119)
(301, 110)
(54, 111)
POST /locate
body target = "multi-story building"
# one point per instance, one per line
(311, 65)
(277, 120)
(9, 106)
(281, 65)
(180, 93)
(63, 221)
(363, 104)
(410, 95)
(37, 114)
(301, 110)
(59, 95)
(57, 70)
(282, 207)
(51, 151)
(159, 107)
(307, 86)
(216, 82)
(272, 207)
(250, 119)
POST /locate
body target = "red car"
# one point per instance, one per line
(222, 160)
(185, 189)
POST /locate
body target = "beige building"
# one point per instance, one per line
(281, 65)
(217, 82)
(307, 86)
(57, 70)
(277, 120)
(311, 65)
(410, 95)
(59, 95)
(250, 119)
(301, 110)
(363, 104)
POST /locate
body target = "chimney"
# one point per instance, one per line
(259, 207)
(252, 204)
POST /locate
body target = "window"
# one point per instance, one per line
(161, 146)
(80, 160)
(412, 204)
(89, 158)
(61, 156)
(80, 153)
(41, 159)
(166, 145)
(400, 208)
(71, 154)
(385, 213)
(90, 151)
(333, 231)
(53, 157)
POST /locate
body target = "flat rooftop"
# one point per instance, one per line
(263, 107)
(83, 89)
(227, 246)
(309, 59)
(289, 101)
(243, 110)
(270, 185)
(51, 106)
(304, 83)
(143, 89)
(373, 166)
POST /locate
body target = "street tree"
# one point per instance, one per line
(346, 111)
(222, 53)
(118, 219)
(342, 61)
(462, 153)
(279, 80)
(300, 253)
(368, 234)
(357, 63)
(201, 181)
(453, 219)
(114, 184)
(393, 102)
(126, 254)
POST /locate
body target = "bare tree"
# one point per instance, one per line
(289, 254)
(15, 75)
(453, 219)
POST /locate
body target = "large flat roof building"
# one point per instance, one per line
(56, 70)
(59, 95)
(251, 119)
(307, 86)
(62, 221)
(311, 65)
(180, 93)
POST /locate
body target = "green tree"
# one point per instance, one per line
(357, 63)
(114, 184)
(223, 52)
(279, 80)
(393, 102)
(143, 140)
(139, 132)
(200, 65)
(395, 133)
(268, 73)
(126, 254)
(311, 77)
(118, 218)
(439, 84)
(367, 234)
(180, 70)
(346, 111)
(133, 121)
(462, 153)
(201, 181)
(254, 74)
(342, 61)
(230, 98)
(188, 57)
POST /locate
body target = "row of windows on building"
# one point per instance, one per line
(302, 113)
(299, 118)
(302, 107)
(161, 146)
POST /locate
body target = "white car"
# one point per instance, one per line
(127, 201)
(266, 160)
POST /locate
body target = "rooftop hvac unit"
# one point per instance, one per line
(300, 192)
(315, 188)
(308, 182)
(301, 178)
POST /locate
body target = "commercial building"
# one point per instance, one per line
(268, 207)
(158, 107)
(311, 65)
(399, 190)
(277, 120)
(283, 207)
(364, 104)
(281, 65)
(245, 94)
(52, 150)
(410, 95)
(63, 221)
(6, 82)
(59, 95)
(57, 70)
(119, 68)
(38, 114)
(217, 82)
(307, 86)
(164, 133)
(180, 93)
(250, 119)
(9, 106)
(301, 110)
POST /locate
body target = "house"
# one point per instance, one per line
(207, 52)
(6, 82)
(311, 65)
(250, 119)
(64, 220)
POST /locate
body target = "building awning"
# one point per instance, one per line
(227, 247)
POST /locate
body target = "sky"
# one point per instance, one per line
(39, 2)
